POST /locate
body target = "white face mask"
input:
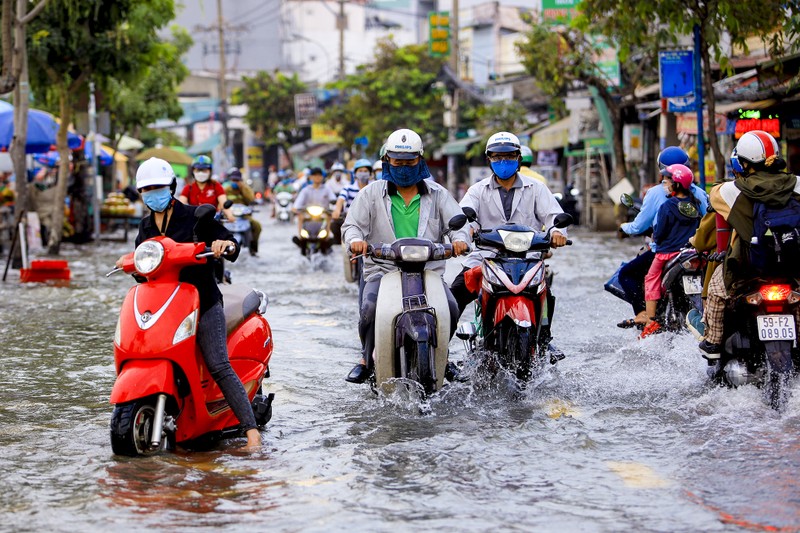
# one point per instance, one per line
(202, 177)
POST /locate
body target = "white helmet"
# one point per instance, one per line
(377, 165)
(756, 146)
(404, 144)
(502, 141)
(154, 171)
(337, 166)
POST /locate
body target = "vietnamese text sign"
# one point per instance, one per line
(305, 108)
(558, 11)
(439, 36)
(676, 73)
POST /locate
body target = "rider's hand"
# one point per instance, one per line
(557, 239)
(118, 264)
(219, 247)
(460, 248)
(358, 247)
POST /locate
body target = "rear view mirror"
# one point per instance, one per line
(227, 204)
(626, 200)
(472, 216)
(562, 220)
(204, 211)
(457, 222)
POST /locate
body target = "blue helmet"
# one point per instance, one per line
(672, 155)
(736, 166)
(362, 163)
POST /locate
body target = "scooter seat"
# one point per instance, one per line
(239, 303)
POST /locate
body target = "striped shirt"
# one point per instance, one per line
(348, 194)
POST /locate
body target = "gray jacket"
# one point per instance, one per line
(370, 219)
(534, 205)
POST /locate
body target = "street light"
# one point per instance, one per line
(322, 47)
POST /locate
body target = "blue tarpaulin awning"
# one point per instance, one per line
(206, 146)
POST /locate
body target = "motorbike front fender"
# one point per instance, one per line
(142, 378)
(519, 309)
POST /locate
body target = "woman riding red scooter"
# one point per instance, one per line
(170, 224)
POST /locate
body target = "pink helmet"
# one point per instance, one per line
(679, 174)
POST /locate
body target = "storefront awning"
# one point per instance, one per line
(552, 137)
(206, 146)
(459, 146)
(735, 106)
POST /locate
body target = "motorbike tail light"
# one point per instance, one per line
(692, 264)
(775, 293)
(794, 297)
(754, 298)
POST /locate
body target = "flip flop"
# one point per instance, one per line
(625, 324)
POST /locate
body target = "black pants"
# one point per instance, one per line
(460, 292)
(631, 278)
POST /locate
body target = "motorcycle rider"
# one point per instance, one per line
(377, 168)
(525, 165)
(631, 275)
(156, 183)
(672, 230)
(338, 179)
(240, 192)
(286, 184)
(364, 175)
(762, 180)
(404, 204)
(204, 190)
(317, 193)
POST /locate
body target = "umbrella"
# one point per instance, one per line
(42, 131)
(167, 154)
(51, 158)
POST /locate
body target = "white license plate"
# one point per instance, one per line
(692, 284)
(776, 327)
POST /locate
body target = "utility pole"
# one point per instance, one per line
(223, 95)
(341, 24)
(452, 175)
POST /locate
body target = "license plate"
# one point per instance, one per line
(776, 327)
(692, 284)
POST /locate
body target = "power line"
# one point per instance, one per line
(249, 13)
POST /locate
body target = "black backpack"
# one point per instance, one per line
(775, 246)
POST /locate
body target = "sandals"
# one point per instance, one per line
(629, 323)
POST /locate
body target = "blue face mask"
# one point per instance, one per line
(379, 175)
(406, 176)
(158, 199)
(505, 169)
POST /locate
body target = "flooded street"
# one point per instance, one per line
(622, 434)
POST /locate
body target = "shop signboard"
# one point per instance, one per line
(687, 122)
(559, 11)
(305, 108)
(676, 73)
(754, 119)
(547, 158)
(322, 134)
(439, 36)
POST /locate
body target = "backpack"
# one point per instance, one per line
(775, 246)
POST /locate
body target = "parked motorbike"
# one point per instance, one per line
(412, 322)
(759, 337)
(283, 206)
(163, 394)
(241, 228)
(314, 236)
(514, 306)
(568, 200)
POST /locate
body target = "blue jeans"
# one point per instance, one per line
(212, 339)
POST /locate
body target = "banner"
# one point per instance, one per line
(676, 73)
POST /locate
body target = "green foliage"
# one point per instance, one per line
(498, 116)
(394, 91)
(270, 101)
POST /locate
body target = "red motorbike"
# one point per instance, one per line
(164, 394)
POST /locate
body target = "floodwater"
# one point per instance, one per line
(622, 434)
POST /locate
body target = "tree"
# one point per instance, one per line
(494, 117)
(71, 42)
(270, 102)
(14, 77)
(395, 91)
(777, 22)
(561, 59)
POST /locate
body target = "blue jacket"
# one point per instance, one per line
(673, 230)
(653, 200)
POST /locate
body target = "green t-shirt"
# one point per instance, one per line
(405, 217)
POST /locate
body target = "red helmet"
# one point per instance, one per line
(679, 174)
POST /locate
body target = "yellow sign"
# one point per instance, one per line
(322, 134)
(439, 36)
(255, 157)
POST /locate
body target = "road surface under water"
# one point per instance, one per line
(622, 434)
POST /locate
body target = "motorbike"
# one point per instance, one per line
(163, 394)
(759, 338)
(314, 236)
(241, 228)
(412, 321)
(568, 200)
(283, 206)
(515, 305)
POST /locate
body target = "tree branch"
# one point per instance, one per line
(33, 12)
(7, 80)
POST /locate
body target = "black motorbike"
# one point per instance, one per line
(568, 200)
(314, 236)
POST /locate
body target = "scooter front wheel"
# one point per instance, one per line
(131, 426)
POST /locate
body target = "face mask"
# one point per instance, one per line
(202, 177)
(406, 176)
(505, 169)
(378, 174)
(363, 177)
(158, 199)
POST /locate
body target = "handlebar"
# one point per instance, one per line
(208, 253)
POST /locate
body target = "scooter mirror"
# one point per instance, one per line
(457, 222)
(472, 216)
(203, 211)
(227, 204)
(562, 220)
(626, 200)
(688, 209)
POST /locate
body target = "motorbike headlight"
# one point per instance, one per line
(239, 210)
(304, 233)
(414, 253)
(315, 210)
(537, 278)
(322, 233)
(148, 257)
(187, 328)
(516, 241)
(490, 275)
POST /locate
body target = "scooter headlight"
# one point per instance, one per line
(490, 275)
(315, 210)
(414, 253)
(187, 328)
(322, 233)
(516, 241)
(304, 233)
(148, 257)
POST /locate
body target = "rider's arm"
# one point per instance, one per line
(646, 217)
(357, 223)
(448, 208)
(215, 231)
(300, 203)
(221, 199)
(472, 199)
(546, 208)
(337, 210)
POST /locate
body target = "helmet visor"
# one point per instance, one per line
(402, 155)
(502, 147)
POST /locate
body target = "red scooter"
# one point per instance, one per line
(164, 393)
